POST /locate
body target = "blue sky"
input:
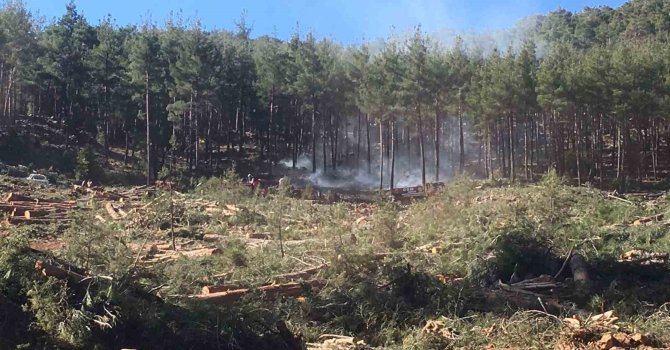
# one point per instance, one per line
(346, 21)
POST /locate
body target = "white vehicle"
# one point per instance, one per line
(38, 178)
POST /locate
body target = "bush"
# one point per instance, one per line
(284, 188)
(308, 192)
(385, 226)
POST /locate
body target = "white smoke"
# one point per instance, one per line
(303, 162)
(352, 173)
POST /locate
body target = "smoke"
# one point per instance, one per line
(484, 42)
(352, 173)
(303, 162)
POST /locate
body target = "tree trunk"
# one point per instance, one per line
(323, 143)
(367, 131)
(422, 150)
(313, 137)
(436, 143)
(196, 136)
(512, 169)
(533, 145)
(502, 162)
(489, 170)
(577, 148)
(146, 94)
(393, 140)
(525, 149)
(333, 141)
(208, 141)
(461, 138)
(619, 162)
(271, 150)
(358, 141)
(381, 155)
(239, 125)
(294, 135)
(654, 147)
(409, 144)
(125, 153)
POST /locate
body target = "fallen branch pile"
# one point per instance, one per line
(648, 220)
(601, 332)
(522, 299)
(24, 209)
(538, 293)
(439, 328)
(338, 342)
(644, 257)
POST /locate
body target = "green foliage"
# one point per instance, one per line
(88, 166)
(385, 227)
(97, 248)
(16, 266)
(53, 314)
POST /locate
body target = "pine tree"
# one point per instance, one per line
(416, 85)
(66, 46)
(144, 69)
(308, 85)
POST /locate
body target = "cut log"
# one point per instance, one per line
(580, 268)
(7, 208)
(266, 236)
(53, 271)
(218, 289)
(12, 197)
(300, 274)
(107, 195)
(36, 213)
(111, 211)
(211, 237)
(16, 220)
(270, 292)
(535, 285)
(64, 204)
(171, 255)
(35, 205)
(168, 246)
(201, 252)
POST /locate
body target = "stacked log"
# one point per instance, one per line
(134, 194)
(23, 209)
(97, 193)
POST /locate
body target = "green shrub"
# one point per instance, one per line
(385, 226)
(97, 247)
